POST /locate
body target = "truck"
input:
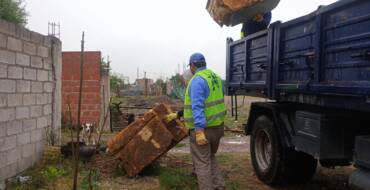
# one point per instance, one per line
(315, 72)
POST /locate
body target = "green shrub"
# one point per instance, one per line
(13, 11)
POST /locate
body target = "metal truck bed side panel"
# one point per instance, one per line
(312, 59)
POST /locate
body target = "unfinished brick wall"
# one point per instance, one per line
(91, 95)
(30, 68)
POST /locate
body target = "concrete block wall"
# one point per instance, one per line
(30, 71)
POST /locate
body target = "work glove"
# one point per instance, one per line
(170, 117)
(200, 138)
(258, 18)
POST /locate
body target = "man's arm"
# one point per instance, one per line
(199, 92)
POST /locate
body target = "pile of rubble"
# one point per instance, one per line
(146, 139)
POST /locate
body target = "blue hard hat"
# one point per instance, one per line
(197, 58)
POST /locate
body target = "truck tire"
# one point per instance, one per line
(274, 164)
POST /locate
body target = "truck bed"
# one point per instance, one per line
(322, 59)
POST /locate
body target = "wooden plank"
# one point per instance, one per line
(124, 137)
(151, 142)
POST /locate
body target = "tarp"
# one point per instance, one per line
(234, 12)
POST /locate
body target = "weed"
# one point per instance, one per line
(232, 185)
(95, 177)
(176, 179)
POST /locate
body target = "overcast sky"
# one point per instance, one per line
(154, 36)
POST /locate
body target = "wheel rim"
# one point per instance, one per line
(263, 150)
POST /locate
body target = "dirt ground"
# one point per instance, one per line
(234, 158)
(238, 166)
(172, 170)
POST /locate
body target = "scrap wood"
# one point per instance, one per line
(123, 138)
(145, 140)
(234, 12)
(146, 147)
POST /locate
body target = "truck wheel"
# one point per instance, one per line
(273, 163)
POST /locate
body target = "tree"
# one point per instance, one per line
(116, 82)
(13, 11)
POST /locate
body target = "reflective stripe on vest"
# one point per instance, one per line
(214, 110)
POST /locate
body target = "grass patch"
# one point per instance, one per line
(232, 185)
(176, 179)
(95, 177)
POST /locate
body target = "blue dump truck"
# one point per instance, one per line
(315, 70)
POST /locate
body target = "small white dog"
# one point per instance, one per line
(89, 133)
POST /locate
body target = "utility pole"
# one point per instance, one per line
(137, 73)
(77, 149)
(146, 84)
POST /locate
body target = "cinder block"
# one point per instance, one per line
(9, 142)
(49, 120)
(14, 127)
(42, 122)
(49, 98)
(36, 62)
(47, 41)
(15, 72)
(9, 171)
(29, 48)
(14, 44)
(2, 40)
(42, 75)
(3, 100)
(29, 125)
(51, 77)
(7, 85)
(7, 114)
(12, 29)
(28, 150)
(3, 126)
(40, 145)
(37, 135)
(47, 109)
(25, 163)
(23, 86)
(13, 155)
(2, 160)
(36, 38)
(25, 34)
(22, 112)
(7, 57)
(23, 59)
(29, 74)
(24, 138)
(48, 87)
(36, 87)
(41, 99)
(3, 71)
(43, 51)
(36, 111)
(29, 99)
(47, 64)
(15, 100)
